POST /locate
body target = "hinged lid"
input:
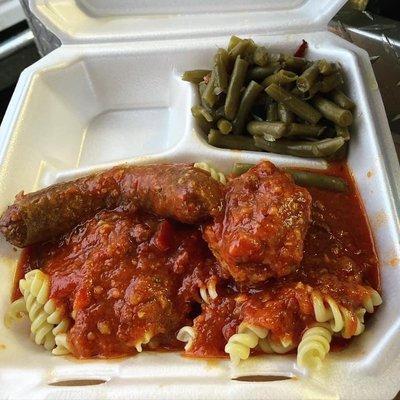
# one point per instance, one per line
(84, 21)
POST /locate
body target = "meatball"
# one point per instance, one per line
(260, 233)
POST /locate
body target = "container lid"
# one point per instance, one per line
(88, 21)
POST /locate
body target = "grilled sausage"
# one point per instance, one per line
(177, 191)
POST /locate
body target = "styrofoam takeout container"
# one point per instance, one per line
(112, 93)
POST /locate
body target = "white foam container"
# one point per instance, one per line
(112, 93)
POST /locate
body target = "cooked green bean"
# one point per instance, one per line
(295, 129)
(326, 68)
(260, 56)
(241, 168)
(272, 112)
(293, 103)
(235, 85)
(281, 77)
(234, 142)
(314, 89)
(200, 110)
(195, 76)
(224, 126)
(330, 82)
(203, 124)
(285, 115)
(202, 88)
(221, 76)
(249, 96)
(342, 131)
(321, 181)
(318, 149)
(233, 41)
(208, 96)
(294, 63)
(220, 112)
(339, 154)
(269, 130)
(277, 57)
(240, 49)
(333, 112)
(260, 73)
(308, 78)
(341, 99)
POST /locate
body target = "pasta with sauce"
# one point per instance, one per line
(291, 271)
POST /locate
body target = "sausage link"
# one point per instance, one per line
(177, 191)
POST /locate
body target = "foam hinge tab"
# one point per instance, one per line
(78, 382)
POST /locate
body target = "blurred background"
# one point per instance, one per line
(373, 25)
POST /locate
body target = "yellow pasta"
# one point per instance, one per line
(144, 340)
(218, 176)
(187, 334)
(240, 344)
(48, 324)
(314, 346)
(269, 346)
(209, 292)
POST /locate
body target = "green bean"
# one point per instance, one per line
(221, 76)
(326, 68)
(277, 57)
(321, 181)
(342, 132)
(240, 49)
(304, 130)
(241, 168)
(314, 89)
(331, 111)
(208, 96)
(330, 82)
(260, 73)
(200, 110)
(341, 99)
(340, 154)
(203, 124)
(224, 126)
(285, 115)
(235, 85)
(281, 77)
(234, 142)
(249, 96)
(308, 78)
(195, 76)
(260, 56)
(269, 130)
(293, 103)
(294, 63)
(202, 88)
(233, 41)
(272, 112)
(318, 149)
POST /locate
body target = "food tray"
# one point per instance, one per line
(87, 106)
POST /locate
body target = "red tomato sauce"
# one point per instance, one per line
(129, 276)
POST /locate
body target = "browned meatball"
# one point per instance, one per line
(261, 232)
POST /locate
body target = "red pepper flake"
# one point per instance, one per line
(301, 50)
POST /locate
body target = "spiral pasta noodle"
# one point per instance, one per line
(218, 176)
(209, 292)
(187, 334)
(144, 340)
(282, 346)
(326, 309)
(240, 344)
(48, 324)
(314, 346)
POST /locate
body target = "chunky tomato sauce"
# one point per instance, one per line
(131, 278)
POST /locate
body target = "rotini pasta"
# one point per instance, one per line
(269, 346)
(187, 334)
(314, 346)
(240, 344)
(218, 176)
(209, 292)
(326, 309)
(48, 324)
(144, 340)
